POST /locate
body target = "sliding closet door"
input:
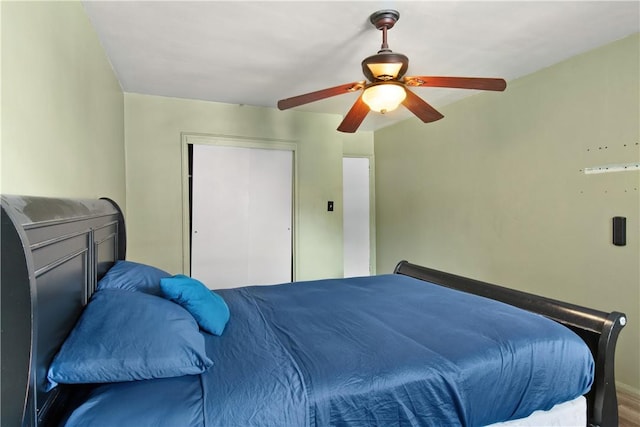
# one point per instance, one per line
(241, 216)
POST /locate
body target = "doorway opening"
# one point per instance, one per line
(358, 216)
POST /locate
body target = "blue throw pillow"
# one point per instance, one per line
(207, 307)
(126, 336)
(133, 276)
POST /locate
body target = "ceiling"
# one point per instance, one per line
(257, 52)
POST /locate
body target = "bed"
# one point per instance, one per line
(398, 349)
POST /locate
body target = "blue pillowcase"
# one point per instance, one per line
(133, 276)
(207, 307)
(170, 402)
(127, 336)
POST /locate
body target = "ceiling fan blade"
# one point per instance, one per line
(421, 108)
(479, 83)
(354, 117)
(295, 101)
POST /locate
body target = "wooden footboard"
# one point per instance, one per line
(598, 329)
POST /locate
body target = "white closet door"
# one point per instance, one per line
(356, 215)
(241, 216)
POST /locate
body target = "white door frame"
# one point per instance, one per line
(240, 142)
(372, 210)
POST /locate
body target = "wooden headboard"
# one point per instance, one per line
(53, 253)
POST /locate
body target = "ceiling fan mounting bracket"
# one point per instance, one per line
(384, 18)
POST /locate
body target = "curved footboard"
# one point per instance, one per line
(598, 329)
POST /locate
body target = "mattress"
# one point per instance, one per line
(566, 414)
(382, 350)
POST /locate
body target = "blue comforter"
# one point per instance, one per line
(385, 350)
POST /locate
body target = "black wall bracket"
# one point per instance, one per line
(619, 230)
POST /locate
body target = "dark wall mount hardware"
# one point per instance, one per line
(619, 230)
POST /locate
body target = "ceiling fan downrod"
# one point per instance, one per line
(385, 45)
(384, 20)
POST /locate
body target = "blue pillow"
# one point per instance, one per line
(126, 336)
(168, 402)
(207, 307)
(133, 276)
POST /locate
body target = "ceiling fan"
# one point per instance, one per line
(386, 88)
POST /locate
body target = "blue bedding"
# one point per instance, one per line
(384, 350)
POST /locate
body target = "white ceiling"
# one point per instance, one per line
(256, 52)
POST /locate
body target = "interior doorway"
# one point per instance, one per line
(358, 217)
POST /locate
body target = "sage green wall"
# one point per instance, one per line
(62, 106)
(495, 190)
(153, 128)
(359, 144)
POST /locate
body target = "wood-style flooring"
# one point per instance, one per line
(628, 409)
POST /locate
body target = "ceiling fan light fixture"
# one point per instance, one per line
(384, 97)
(385, 71)
(386, 65)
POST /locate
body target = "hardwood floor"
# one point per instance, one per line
(628, 409)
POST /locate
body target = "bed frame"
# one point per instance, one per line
(55, 250)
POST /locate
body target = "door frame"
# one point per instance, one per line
(238, 142)
(372, 210)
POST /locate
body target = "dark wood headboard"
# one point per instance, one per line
(53, 253)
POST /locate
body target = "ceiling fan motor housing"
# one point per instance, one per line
(385, 65)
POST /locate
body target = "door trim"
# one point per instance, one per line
(372, 210)
(239, 142)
